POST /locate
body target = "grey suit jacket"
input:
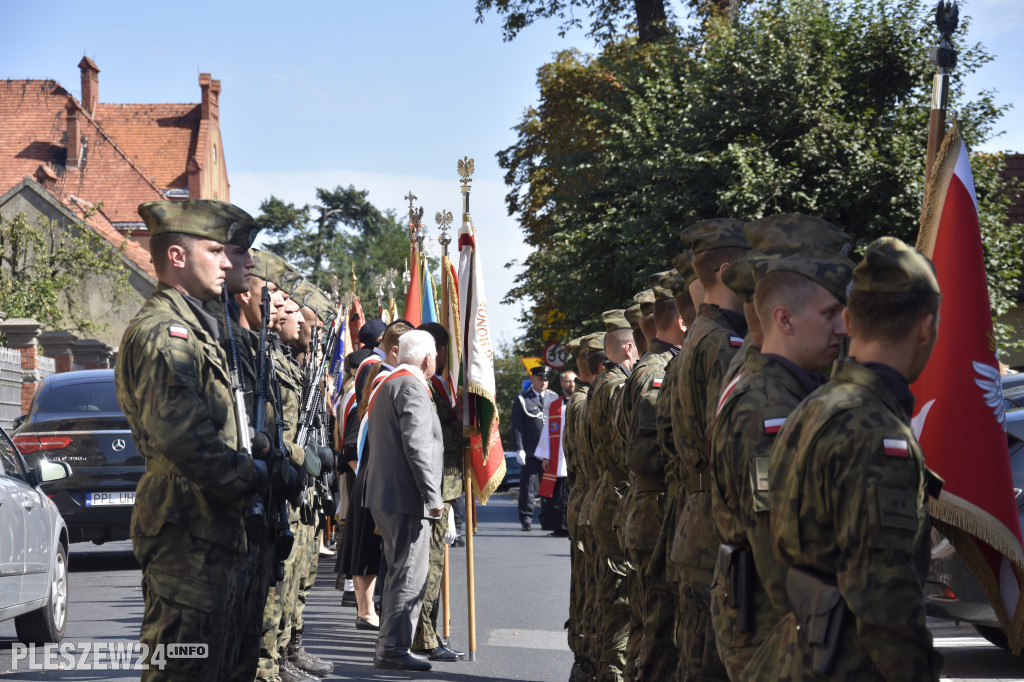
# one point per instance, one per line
(406, 453)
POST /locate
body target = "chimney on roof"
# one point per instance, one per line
(90, 85)
(74, 136)
(211, 97)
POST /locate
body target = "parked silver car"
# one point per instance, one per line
(951, 591)
(33, 549)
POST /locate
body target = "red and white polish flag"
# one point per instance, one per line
(961, 416)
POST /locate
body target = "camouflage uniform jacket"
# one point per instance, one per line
(451, 436)
(644, 503)
(172, 383)
(577, 458)
(752, 408)
(610, 466)
(848, 498)
(707, 352)
(290, 380)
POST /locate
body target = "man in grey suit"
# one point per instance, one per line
(403, 491)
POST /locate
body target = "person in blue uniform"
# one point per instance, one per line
(527, 426)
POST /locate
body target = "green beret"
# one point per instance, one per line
(683, 263)
(740, 278)
(661, 284)
(592, 341)
(797, 229)
(891, 266)
(715, 234)
(217, 220)
(276, 270)
(614, 320)
(311, 296)
(824, 266)
(646, 301)
(633, 314)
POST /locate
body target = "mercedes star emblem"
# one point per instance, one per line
(118, 445)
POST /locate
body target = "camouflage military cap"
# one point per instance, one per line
(217, 220)
(891, 266)
(715, 234)
(276, 270)
(797, 229)
(661, 284)
(633, 314)
(646, 301)
(573, 346)
(593, 341)
(683, 263)
(823, 266)
(678, 285)
(614, 320)
(311, 296)
(740, 278)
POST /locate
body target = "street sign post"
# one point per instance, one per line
(556, 356)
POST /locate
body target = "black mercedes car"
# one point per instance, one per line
(75, 418)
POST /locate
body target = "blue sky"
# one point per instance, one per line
(384, 95)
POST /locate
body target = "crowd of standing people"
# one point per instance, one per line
(245, 457)
(747, 499)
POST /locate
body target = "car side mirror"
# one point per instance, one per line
(47, 471)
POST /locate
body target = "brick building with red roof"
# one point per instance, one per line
(87, 164)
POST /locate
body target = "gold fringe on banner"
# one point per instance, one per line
(964, 523)
(935, 190)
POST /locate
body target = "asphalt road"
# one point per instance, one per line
(521, 603)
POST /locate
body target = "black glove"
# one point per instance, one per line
(260, 478)
(294, 487)
(326, 459)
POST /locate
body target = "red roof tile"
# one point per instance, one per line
(103, 227)
(159, 138)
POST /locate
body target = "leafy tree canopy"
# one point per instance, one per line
(41, 264)
(353, 233)
(817, 106)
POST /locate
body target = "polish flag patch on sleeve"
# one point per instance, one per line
(656, 383)
(772, 426)
(178, 332)
(735, 341)
(896, 447)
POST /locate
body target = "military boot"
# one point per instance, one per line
(289, 673)
(306, 661)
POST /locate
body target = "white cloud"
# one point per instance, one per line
(499, 236)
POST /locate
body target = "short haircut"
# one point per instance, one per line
(687, 311)
(392, 334)
(595, 359)
(414, 346)
(439, 333)
(782, 288)
(639, 339)
(707, 263)
(886, 316)
(648, 325)
(160, 243)
(665, 313)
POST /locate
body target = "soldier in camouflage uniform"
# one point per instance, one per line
(172, 382)
(802, 275)
(849, 488)
(581, 475)
(612, 585)
(643, 504)
(715, 337)
(426, 640)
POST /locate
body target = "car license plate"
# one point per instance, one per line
(110, 499)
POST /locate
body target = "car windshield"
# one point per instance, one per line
(85, 398)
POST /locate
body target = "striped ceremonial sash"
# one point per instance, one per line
(378, 382)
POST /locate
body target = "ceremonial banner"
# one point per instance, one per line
(450, 321)
(961, 416)
(356, 320)
(428, 305)
(414, 296)
(480, 412)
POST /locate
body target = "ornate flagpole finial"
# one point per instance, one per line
(354, 279)
(379, 281)
(406, 277)
(390, 275)
(465, 168)
(443, 218)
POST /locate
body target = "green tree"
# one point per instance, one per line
(353, 233)
(816, 106)
(41, 264)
